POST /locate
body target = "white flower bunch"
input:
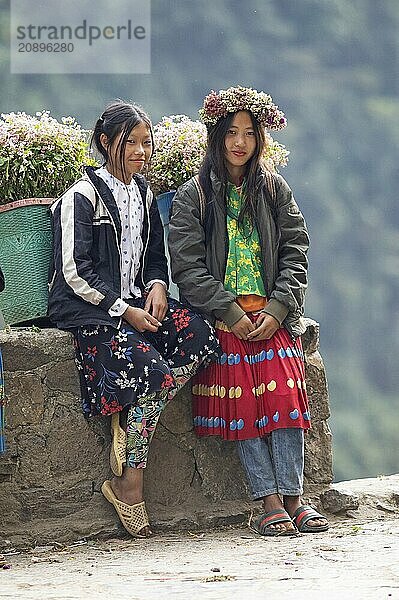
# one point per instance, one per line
(40, 156)
(180, 145)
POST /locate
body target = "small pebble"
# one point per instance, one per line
(215, 570)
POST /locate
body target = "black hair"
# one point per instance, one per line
(118, 117)
(215, 160)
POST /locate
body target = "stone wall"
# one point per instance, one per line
(56, 461)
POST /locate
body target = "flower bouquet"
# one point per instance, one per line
(180, 145)
(39, 158)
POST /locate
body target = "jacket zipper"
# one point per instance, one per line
(117, 244)
(50, 285)
(147, 211)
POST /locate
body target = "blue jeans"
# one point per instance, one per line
(274, 464)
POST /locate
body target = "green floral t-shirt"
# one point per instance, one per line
(244, 262)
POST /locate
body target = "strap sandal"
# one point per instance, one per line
(133, 517)
(262, 524)
(305, 513)
(117, 456)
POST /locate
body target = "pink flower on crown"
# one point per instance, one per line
(214, 107)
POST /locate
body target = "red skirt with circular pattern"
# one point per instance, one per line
(253, 389)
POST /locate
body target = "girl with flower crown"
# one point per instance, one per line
(238, 246)
(134, 346)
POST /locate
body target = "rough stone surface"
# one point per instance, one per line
(311, 337)
(318, 453)
(56, 461)
(336, 502)
(378, 497)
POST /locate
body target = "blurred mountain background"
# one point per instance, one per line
(332, 66)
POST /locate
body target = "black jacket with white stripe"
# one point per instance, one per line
(85, 277)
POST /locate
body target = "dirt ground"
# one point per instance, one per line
(355, 559)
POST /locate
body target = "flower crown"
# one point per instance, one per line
(238, 98)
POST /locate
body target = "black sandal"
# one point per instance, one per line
(262, 524)
(305, 513)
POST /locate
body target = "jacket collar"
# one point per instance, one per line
(218, 190)
(106, 196)
(217, 185)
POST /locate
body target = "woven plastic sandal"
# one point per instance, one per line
(305, 513)
(117, 456)
(262, 524)
(133, 517)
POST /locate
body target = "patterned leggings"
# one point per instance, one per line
(142, 420)
(138, 373)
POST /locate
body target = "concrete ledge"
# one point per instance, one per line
(371, 498)
(56, 461)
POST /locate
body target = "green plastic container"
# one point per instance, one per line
(25, 254)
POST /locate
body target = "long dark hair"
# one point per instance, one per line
(118, 117)
(215, 160)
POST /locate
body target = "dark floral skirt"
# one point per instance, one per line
(118, 367)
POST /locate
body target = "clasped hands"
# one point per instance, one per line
(151, 316)
(263, 329)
